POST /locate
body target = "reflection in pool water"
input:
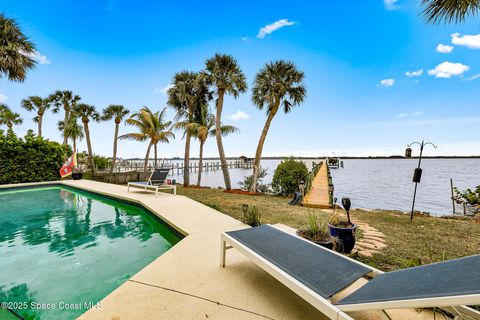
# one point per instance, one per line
(65, 249)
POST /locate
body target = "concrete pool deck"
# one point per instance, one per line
(187, 282)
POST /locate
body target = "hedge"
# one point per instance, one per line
(30, 159)
(288, 175)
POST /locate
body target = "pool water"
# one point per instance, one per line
(62, 250)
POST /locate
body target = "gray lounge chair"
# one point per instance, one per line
(155, 182)
(316, 274)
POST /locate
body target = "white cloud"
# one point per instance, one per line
(444, 48)
(473, 77)
(269, 28)
(469, 41)
(163, 90)
(416, 73)
(406, 114)
(448, 69)
(391, 5)
(37, 56)
(238, 116)
(3, 98)
(387, 82)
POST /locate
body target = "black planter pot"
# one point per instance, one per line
(345, 236)
(77, 175)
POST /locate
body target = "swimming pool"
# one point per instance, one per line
(62, 249)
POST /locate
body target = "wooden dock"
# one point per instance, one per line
(318, 196)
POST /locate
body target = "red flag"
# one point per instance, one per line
(68, 166)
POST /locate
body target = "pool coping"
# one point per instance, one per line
(227, 295)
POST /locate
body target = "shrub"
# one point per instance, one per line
(314, 229)
(470, 197)
(288, 175)
(101, 163)
(30, 159)
(247, 182)
(251, 216)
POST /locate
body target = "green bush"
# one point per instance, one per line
(101, 163)
(247, 182)
(251, 216)
(30, 159)
(288, 175)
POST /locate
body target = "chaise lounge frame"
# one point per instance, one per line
(454, 305)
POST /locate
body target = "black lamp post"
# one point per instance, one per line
(346, 203)
(417, 174)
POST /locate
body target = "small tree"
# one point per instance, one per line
(288, 175)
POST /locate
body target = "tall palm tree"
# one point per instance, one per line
(223, 73)
(187, 93)
(16, 51)
(449, 11)
(277, 84)
(118, 113)
(86, 112)
(161, 131)
(67, 100)
(8, 117)
(38, 104)
(73, 130)
(151, 127)
(202, 127)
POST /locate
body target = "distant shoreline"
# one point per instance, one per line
(321, 158)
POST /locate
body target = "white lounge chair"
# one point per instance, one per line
(316, 274)
(155, 182)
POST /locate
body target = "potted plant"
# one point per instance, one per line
(343, 229)
(77, 173)
(317, 232)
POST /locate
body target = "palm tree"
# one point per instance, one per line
(151, 127)
(436, 11)
(203, 126)
(8, 117)
(86, 112)
(278, 83)
(73, 130)
(223, 73)
(161, 131)
(36, 103)
(117, 112)
(16, 51)
(188, 92)
(67, 100)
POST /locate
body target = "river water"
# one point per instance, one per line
(380, 183)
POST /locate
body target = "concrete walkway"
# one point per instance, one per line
(318, 195)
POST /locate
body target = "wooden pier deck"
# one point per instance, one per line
(319, 196)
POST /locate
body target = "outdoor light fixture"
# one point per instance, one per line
(346, 203)
(417, 174)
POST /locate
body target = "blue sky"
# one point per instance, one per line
(360, 99)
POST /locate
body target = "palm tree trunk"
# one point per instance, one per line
(200, 164)
(40, 118)
(186, 161)
(258, 154)
(89, 146)
(74, 145)
(115, 139)
(218, 135)
(155, 150)
(65, 121)
(145, 166)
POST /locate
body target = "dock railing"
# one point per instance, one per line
(311, 175)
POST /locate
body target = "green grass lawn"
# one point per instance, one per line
(426, 240)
